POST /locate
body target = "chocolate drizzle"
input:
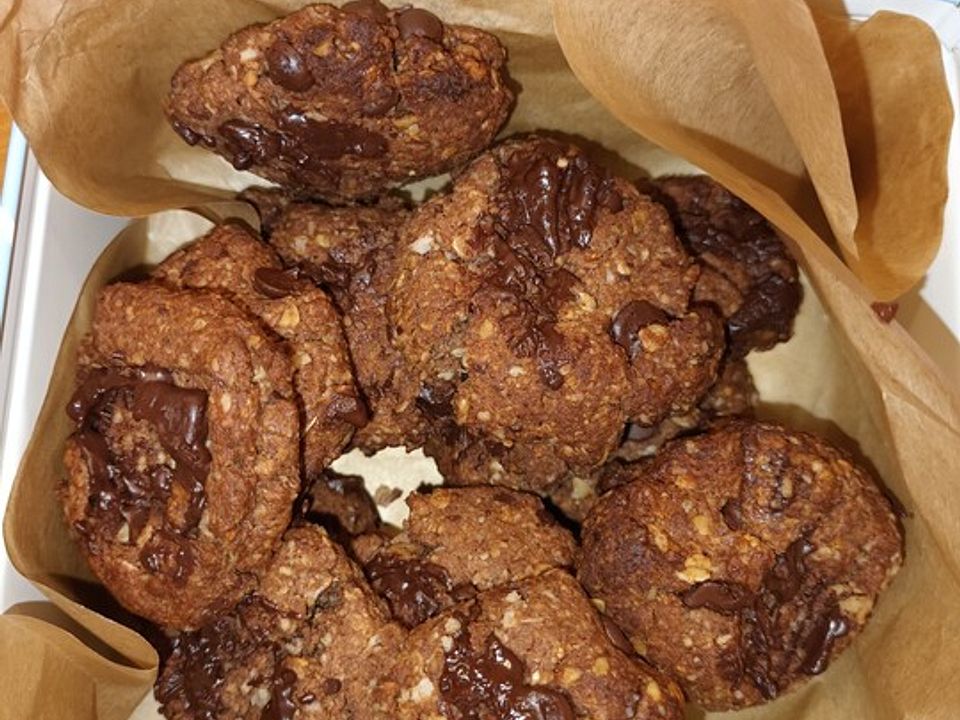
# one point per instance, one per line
(118, 488)
(415, 589)
(489, 683)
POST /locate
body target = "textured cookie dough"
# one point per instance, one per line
(345, 103)
(532, 649)
(352, 251)
(183, 469)
(309, 643)
(232, 261)
(742, 561)
(542, 300)
(457, 541)
(748, 272)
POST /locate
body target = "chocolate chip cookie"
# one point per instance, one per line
(232, 261)
(748, 272)
(341, 103)
(310, 642)
(458, 541)
(531, 649)
(351, 251)
(742, 561)
(544, 301)
(184, 464)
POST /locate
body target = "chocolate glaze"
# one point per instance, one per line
(416, 22)
(282, 705)
(489, 683)
(118, 490)
(630, 320)
(415, 589)
(287, 67)
(275, 283)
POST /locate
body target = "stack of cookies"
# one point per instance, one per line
(616, 535)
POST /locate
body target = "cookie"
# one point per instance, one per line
(183, 468)
(351, 251)
(458, 541)
(742, 561)
(532, 649)
(748, 273)
(232, 261)
(543, 301)
(343, 103)
(310, 642)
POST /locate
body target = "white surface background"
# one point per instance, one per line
(45, 276)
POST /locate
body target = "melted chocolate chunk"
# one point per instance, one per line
(198, 659)
(287, 67)
(616, 636)
(819, 642)
(630, 320)
(331, 686)
(436, 400)
(249, 144)
(307, 141)
(275, 283)
(732, 513)
(489, 683)
(282, 705)
(551, 198)
(380, 101)
(416, 22)
(416, 590)
(721, 597)
(350, 409)
(372, 9)
(191, 137)
(765, 317)
(118, 490)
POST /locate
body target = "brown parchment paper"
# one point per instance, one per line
(84, 79)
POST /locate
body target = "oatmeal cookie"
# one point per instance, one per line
(544, 301)
(342, 103)
(232, 261)
(184, 466)
(742, 561)
(310, 642)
